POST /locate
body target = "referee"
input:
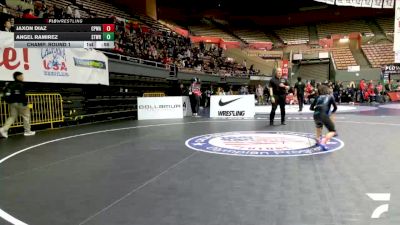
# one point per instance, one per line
(278, 87)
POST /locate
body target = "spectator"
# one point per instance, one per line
(260, 94)
(362, 89)
(28, 14)
(117, 48)
(299, 92)
(58, 12)
(68, 11)
(8, 27)
(77, 14)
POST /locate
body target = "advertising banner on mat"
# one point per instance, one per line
(52, 65)
(232, 106)
(153, 108)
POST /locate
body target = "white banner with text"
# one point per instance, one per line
(232, 106)
(52, 65)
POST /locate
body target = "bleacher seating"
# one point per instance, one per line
(343, 28)
(379, 55)
(386, 23)
(103, 9)
(252, 36)
(210, 31)
(294, 35)
(343, 58)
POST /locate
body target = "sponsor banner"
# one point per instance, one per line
(232, 106)
(153, 108)
(396, 42)
(52, 65)
(394, 96)
(356, 3)
(397, 57)
(353, 68)
(377, 4)
(285, 68)
(340, 2)
(388, 4)
(187, 109)
(348, 2)
(367, 3)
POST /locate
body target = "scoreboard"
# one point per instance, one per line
(64, 33)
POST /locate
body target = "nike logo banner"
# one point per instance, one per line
(228, 102)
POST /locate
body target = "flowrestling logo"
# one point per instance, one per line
(261, 144)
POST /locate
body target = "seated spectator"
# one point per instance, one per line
(68, 11)
(28, 14)
(117, 48)
(7, 27)
(77, 14)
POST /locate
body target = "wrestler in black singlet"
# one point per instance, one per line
(321, 107)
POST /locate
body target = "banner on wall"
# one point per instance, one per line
(186, 107)
(388, 4)
(367, 3)
(377, 4)
(152, 108)
(232, 106)
(285, 68)
(340, 2)
(396, 41)
(357, 3)
(52, 65)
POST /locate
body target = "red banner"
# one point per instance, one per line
(197, 39)
(261, 45)
(394, 96)
(285, 68)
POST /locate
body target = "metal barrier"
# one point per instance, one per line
(45, 109)
(154, 94)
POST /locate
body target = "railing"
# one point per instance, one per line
(161, 65)
(154, 94)
(45, 109)
(135, 60)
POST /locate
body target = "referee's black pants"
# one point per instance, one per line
(281, 101)
(300, 99)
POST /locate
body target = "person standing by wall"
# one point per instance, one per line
(299, 92)
(278, 87)
(260, 94)
(14, 95)
(195, 96)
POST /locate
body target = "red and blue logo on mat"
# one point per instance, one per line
(261, 144)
